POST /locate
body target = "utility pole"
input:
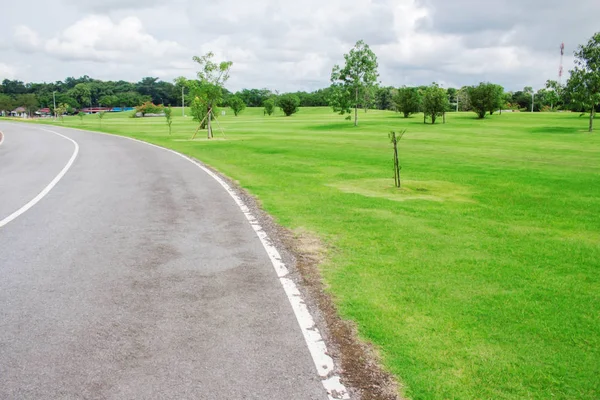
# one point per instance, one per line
(182, 102)
(532, 101)
(54, 102)
(457, 101)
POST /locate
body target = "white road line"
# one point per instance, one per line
(48, 188)
(1, 138)
(314, 341)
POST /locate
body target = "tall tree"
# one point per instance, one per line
(584, 83)
(82, 93)
(6, 103)
(29, 101)
(356, 78)
(435, 102)
(408, 100)
(212, 78)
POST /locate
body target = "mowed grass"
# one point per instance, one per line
(480, 280)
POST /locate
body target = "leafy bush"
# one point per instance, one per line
(149, 108)
(289, 104)
(269, 105)
(236, 104)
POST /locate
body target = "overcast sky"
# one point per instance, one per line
(292, 45)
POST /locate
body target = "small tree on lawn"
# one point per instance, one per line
(101, 115)
(61, 109)
(355, 80)
(81, 114)
(212, 78)
(435, 102)
(269, 105)
(395, 138)
(408, 101)
(584, 83)
(237, 105)
(289, 104)
(169, 117)
(486, 97)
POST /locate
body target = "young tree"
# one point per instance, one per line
(269, 105)
(60, 110)
(289, 104)
(237, 105)
(212, 78)
(81, 114)
(435, 102)
(408, 101)
(101, 115)
(484, 98)
(168, 116)
(356, 78)
(584, 83)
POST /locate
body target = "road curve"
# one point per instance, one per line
(136, 277)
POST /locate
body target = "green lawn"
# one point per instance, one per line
(480, 280)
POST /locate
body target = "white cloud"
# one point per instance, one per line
(292, 45)
(7, 71)
(98, 38)
(26, 39)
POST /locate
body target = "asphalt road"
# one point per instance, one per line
(136, 277)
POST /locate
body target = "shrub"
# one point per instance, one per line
(149, 108)
(289, 104)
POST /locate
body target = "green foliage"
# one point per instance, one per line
(81, 114)
(82, 93)
(60, 111)
(236, 104)
(435, 102)
(212, 77)
(150, 108)
(384, 98)
(6, 103)
(584, 83)
(168, 116)
(288, 103)
(355, 80)
(408, 101)
(486, 97)
(199, 110)
(340, 99)
(109, 101)
(269, 105)
(101, 115)
(29, 101)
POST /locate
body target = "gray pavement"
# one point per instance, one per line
(136, 277)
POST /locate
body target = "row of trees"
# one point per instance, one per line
(354, 85)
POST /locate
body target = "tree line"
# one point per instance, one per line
(354, 86)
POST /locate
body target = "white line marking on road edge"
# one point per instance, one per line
(314, 341)
(1, 138)
(48, 188)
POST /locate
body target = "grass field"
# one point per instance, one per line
(479, 280)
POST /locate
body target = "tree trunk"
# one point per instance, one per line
(444, 117)
(432, 118)
(424, 118)
(356, 109)
(592, 119)
(208, 118)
